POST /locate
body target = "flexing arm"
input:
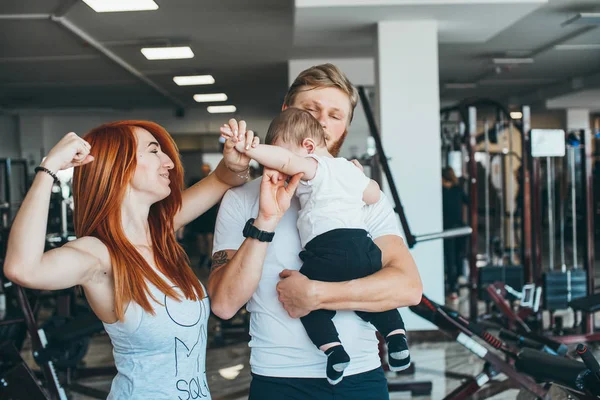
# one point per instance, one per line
(26, 263)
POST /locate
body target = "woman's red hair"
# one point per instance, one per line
(99, 189)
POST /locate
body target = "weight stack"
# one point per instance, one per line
(561, 287)
(511, 275)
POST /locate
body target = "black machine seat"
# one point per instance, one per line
(80, 327)
(588, 304)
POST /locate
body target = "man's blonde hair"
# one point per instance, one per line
(294, 125)
(321, 76)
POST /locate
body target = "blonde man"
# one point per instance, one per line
(246, 269)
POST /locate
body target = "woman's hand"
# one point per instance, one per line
(237, 136)
(70, 151)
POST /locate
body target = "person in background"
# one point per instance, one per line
(453, 199)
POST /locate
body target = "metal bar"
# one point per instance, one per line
(447, 234)
(511, 195)
(571, 160)
(525, 183)
(588, 217)
(7, 193)
(12, 321)
(536, 224)
(486, 186)
(25, 16)
(495, 294)
(472, 167)
(549, 192)
(502, 196)
(410, 239)
(51, 381)
(563, 195)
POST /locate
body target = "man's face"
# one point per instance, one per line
(331, 107)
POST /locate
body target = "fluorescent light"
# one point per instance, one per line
(516, 115)
(515, 60)
(460, 85)
(167, 53)
(583, 19)
(194, 80)
(121, 5)
(207, 98)
(220, 109)
(577, 47)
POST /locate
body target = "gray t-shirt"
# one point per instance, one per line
(161, 356)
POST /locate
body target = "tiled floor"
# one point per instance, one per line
(229, 373)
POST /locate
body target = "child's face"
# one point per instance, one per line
(293, 147)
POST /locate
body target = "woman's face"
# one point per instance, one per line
(151, 177)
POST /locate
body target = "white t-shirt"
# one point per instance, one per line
(279, 345)
(333, 199)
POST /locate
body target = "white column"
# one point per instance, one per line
(578, 118)
(409, 106)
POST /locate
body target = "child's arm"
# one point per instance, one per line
(371, 193)
(283, 160)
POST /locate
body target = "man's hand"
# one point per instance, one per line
(275, 195)
(297, 293)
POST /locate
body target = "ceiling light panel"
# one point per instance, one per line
(192, 80)
(207, 98)
(220, 109)
(167, 53)
(121, 5)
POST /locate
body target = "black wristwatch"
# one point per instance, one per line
(253, 232)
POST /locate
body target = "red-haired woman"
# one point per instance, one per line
(127, 189)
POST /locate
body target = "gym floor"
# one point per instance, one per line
(228, 371)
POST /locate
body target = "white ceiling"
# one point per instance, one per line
(243, 44)
(471, 33)
(246, 45)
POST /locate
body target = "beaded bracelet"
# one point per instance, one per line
(46, 170)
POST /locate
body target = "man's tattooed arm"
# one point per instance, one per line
(219, 259)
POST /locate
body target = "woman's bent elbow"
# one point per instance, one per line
(15, 274)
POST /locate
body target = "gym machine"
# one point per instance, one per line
(61, 342)
(565, 287)
(419, 387)
(539, 374)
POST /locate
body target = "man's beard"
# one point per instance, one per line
(335, 147)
